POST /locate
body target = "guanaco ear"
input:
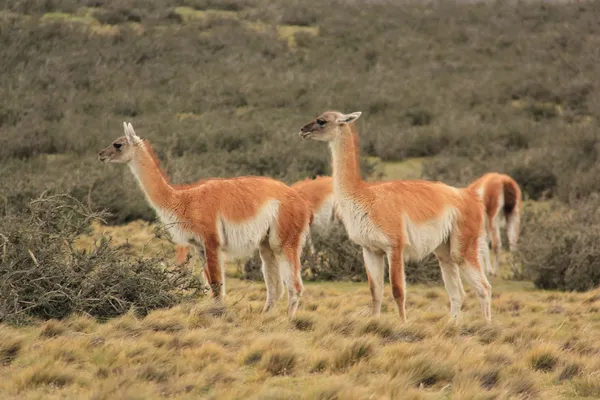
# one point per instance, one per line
(130, 133)
(126, 130)
(347, 118)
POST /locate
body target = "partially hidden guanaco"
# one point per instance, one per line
(220, 217)
(404, 220)
(501, 196)
(318, 193)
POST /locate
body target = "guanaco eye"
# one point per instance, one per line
(117, 145)
(321, 122)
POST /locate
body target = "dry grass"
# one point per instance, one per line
(137, 237)
(332, 350)
(541, 344)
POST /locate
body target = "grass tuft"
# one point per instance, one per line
(427, 371)
(279, 361)
(543, 358)
(165, 321)
(489, 378)
(48, 374)
(521, 383)
(354, 352)
(10, 345)
(570, 371)
(304, 322)
(53, 328)
(342, 325)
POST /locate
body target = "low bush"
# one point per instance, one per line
(558, 247)
(537, 180)
(45, 276)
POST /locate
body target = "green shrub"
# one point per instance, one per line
(558, 248)
(116, 16)
(537, 180)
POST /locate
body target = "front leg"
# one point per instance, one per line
(374, 263)
(214, 270)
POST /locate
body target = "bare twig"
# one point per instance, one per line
(33, 257)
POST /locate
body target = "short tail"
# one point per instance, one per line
(510, 197)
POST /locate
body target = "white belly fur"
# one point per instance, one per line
(241, 239)
(238, 239)
(422, 239)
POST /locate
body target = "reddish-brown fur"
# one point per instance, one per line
(314, 191)
(382, 207)
(501, 196)
(199, 207)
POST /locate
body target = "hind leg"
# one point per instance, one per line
(494, 234)
(374, 264)
(473, 273)
(289, 265)
(272, 276)
(452, 281)
(513, 226)
(398, 280)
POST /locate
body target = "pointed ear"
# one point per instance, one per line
(347, 118)
(126, 130)
(130, 133)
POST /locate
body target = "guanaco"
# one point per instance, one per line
(404, 220)
(220, 217)
(501, 196)
(317, 192)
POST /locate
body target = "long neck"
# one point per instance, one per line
(346, 161)
(151, 178)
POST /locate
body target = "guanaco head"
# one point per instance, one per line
(327, 126)
(123, 149)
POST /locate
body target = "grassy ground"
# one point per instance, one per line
(541, 344)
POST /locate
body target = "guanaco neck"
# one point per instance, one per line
(152, 180)
(346, 161)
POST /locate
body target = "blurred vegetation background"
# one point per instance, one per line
(220, 88)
